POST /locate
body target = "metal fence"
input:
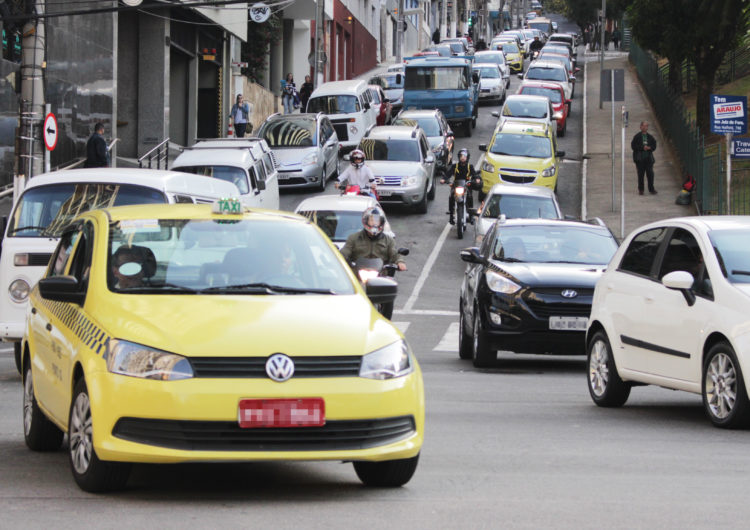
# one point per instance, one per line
(705, 162)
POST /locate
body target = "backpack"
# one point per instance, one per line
(689, 184)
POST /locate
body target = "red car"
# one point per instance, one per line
(556, 95)
(383, 109)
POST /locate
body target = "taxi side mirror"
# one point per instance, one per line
(381, 290)
(61, 289)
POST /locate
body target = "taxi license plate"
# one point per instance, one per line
(385, 193)
(305, 412)
(569, 323)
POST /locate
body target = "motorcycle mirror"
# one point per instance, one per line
(403, 251)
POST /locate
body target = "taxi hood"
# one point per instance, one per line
(247, 325)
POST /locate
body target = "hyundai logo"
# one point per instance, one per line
(569, 293)
(279, 367)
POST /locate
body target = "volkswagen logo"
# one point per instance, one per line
(569, 293)
(279, 367)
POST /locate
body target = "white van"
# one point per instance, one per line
(52, 200)
(248, 163)
(348, 104)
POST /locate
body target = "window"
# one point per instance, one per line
(334, 105)
(260, 170)
(231, 174)
(436, 78)
(641, 253)
(289, 132)
(684, 254)
(183, 199)
(63, 253)
(392, 150)
(268, 162)
(521, 145)
(732, 249)
(81, 263)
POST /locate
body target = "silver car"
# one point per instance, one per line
(392, 84)
(494, 57)
(306, 148)
(439, 134)
(491, 85)
(403, 165)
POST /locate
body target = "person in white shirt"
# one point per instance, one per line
(358, 174)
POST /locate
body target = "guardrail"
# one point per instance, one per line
(159, 152)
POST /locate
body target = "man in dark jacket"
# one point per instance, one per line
(462, 171)
(372, 242)
(97, 154)
(643, 146)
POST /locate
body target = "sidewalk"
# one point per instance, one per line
(597, 170)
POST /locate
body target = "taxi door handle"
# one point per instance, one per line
(48, 326)
(33, 310)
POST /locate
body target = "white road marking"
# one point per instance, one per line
(426, 270)
(4, 348)
(449, 342)
(402, 326)
(426, 312)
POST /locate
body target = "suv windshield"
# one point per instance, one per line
(232, 174)
(554, 244)
(208, 256)
(436, 78)
(511, 144)
(391, 150)
(289, 132)
(45, 210)
(333, 104)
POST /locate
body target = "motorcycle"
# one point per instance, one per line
(368, 268)
(462, 214)
(354, 190)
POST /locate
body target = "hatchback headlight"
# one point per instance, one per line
(136, 360)
(310, 160)
(19, 290)
(489, 168)
(389, 362)
(550, 171)
(500, 284)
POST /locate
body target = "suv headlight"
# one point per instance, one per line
(489, 168)
(310, 159)
(500, 284)
(389, 362)
(410, 181)
(19, 290)
(136, 360)
(549, 171)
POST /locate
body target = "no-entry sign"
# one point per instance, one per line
(49, 133)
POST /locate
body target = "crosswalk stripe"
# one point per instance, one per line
(449, 342)
(403, 326)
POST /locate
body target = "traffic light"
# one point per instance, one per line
(349, 19)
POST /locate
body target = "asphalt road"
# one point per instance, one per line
(518, 445)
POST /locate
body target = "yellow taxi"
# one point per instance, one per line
(189, 333)
(521, 153)
(513, 55)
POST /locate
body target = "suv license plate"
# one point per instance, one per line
(384, 193)
(569, 323)
(305, 412)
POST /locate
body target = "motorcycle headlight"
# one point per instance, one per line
(500, 284)
(549, 171)
(489, 168)
(19, 290)
(367, 274)
(410, 181)
(389, 362)
(137, 360)
(460, 191)
(310, 160)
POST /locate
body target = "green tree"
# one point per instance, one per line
(255, 50)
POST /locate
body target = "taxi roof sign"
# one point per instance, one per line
(230, 206)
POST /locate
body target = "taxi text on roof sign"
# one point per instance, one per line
(227, 206)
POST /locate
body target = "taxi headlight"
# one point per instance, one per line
(310, 160)
(136, 360)
(389, 362)
(489, 168)
(500, 284)
(19, 290)
(549, 171)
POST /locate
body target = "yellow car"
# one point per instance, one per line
(521, 153)
(187, 333)
(513, 55)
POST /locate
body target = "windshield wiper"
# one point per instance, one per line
(170, 287)
(265, 288)
(741, 273)
(40, 228)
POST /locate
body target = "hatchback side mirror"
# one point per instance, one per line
(680, 281)
(471, 255)
(495, 113)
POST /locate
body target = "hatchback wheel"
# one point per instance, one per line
(605, 386)
(724, 394)
(90, 473)
(39, 433)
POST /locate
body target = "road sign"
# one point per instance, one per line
(605, 85)
(49, 131)
(728, 114)
(741, 148)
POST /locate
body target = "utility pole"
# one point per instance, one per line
(319, 36)
(601, 43)
(443, 20)
(400, 32)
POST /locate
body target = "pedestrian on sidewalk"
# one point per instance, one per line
(240, 115)
(643, 146)
(616, 36)
(305, 92)
(288, 93)
(97, 154)
(436, 36)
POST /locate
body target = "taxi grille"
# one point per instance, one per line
(514, 179)
(229, 436)
(239, 367)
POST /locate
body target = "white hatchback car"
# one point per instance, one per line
(672, 310)
(339, 216)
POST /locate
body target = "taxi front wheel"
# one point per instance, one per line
(388, 474)
(90, 473)
(39, 433)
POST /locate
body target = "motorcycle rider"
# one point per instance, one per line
(462, 170)
(371, 242)
(535, 46)
(358, 174)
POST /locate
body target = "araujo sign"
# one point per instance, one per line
(728, 114)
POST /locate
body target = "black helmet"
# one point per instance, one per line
(464, 152)
(373, 221)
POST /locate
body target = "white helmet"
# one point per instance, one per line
(357, 158)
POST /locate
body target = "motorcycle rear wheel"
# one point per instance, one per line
(460, 218)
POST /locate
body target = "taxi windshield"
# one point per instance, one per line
(222, 256)
(44, 211)
(521, 145)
